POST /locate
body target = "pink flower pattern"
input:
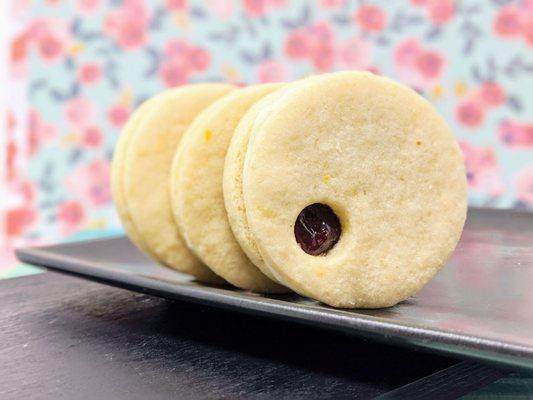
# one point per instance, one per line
(257, 8)
(79, 112)
(472, 110)
(516, 135)
(418, 66)
(89, 73)
(272, 71)
(370, 18)
(118, 115)
(439, 12)
(514, 21)
(182, 60)
(91, 182)
(50, 37)
(128, 24)
(482, 169)
(83, 66)
(70, 216)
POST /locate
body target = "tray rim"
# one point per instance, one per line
(455, 344)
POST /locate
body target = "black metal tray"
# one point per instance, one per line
(480, 306)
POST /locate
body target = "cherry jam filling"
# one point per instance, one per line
(317, 229)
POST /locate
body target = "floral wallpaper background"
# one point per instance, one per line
(78, 68)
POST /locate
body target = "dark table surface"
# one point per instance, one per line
(65, 338)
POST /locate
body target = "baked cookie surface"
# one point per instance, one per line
(233, 170)
(232, 183)
(143, 165)
(381, 159)
(197, 196)
(117, 169)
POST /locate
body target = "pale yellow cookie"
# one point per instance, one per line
(196, 190)
(146, 171)
(117, 167)
(387, 165)
(232, 179)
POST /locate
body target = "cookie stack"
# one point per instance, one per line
(347, 188)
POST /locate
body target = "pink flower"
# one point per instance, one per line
(370, 18)
(174, 73)
(322, 32)
(321, 49)
(315, 42)
(79, 112)
(298, 44)
(356, 53)
(89, 73)
(99, 192)
(128, 25)
(430, 65)
(272, 71)
(50, 48)
(508, 22)
(524, 185)
(482, 170)
(88, 6)
(492, 94)
(51, 37)
(176, 5)
(470, 113)
(199, 59)
(407, 51)
(91, 182)
(118, 114)
(181, 60)
(257, 8)
(177, 48)
(254, 8)
(39, 132)
(331, 3)
(18, 220)
(92, 137)
(441, 11)
(323, 56)
(516, 135)
(18, 54)
(25, 190)
(417, 66)
(419, 3)
(71, 216)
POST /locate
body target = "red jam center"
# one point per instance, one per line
(317, 229)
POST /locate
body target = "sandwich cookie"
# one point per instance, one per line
(354, 190)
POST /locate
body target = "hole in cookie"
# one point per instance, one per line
(317, 229)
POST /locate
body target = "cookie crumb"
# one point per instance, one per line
(208, 135)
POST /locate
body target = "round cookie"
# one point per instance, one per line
(383, 160)
(232, 179)
(196, 190)
(117, 168)
(146, 171)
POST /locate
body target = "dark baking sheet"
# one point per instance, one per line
(480, 306)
